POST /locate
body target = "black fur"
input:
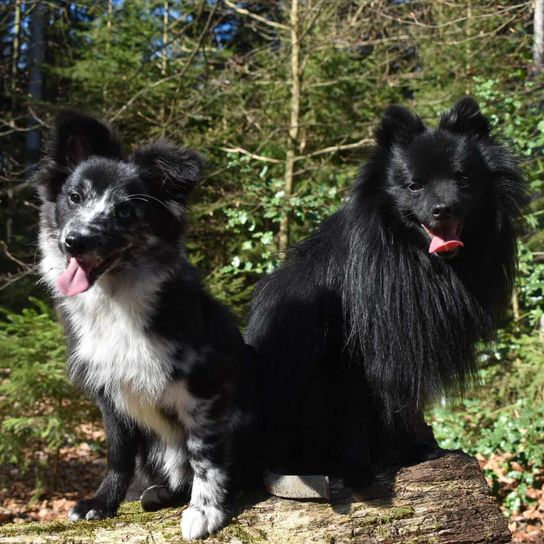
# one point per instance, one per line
(361, 327)
(179, 403)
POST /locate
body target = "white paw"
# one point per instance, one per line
(73, 515)
(92, 514)
(200, 521)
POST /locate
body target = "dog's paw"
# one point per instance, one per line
(159, 496)
(200, 521)
(90, 509)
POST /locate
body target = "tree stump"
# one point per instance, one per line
(441, 501)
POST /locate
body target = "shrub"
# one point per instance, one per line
(39, 409)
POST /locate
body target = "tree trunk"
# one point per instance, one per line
(538, 38)
(442, 501)
(36, 55)
(292, 140)
(109, 34)
(468, 49)
(15, 51)
(164, 59)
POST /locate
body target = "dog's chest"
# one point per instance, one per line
(115, 354)
(113, 341)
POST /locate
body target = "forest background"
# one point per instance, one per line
(282, 98)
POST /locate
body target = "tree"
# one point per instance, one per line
(538, 41)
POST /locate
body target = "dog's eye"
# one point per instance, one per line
(75, 198)
(124, 213)
(415, 187)
(462, 180)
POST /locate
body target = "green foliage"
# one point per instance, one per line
(255, 219)
(39, 409)
(530, 287)
(502, 421)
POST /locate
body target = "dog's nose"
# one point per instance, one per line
(76, 242)
(441, 211)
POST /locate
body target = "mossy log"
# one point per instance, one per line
(441, 501)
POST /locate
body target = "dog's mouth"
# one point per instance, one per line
(81, 273)
(445, 238)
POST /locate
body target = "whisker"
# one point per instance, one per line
(146, 198)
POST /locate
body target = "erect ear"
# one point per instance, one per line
(398, 126)
(77, 136)
(171, 171)
(466, 118)
(74, 138)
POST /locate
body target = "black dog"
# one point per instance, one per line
(164, 361)
(379, 312)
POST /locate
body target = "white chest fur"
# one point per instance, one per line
(116, 353)
(112, 340)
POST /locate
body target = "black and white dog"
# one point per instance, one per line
(164, 361)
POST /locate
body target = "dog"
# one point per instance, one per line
(164, 361)
(380, 311)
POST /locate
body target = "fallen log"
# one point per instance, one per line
(441, 501)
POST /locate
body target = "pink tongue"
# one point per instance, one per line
(439, 245)
(73, 280)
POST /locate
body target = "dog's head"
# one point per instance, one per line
(102, 211)
(445, 182)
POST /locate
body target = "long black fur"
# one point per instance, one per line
(361, 327)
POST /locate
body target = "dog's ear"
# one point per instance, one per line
(74, 138)
(398, 126)
(171, 171)
(466, 118)
(77, 136)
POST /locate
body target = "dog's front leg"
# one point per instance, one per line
(122, 441)
(207, 450)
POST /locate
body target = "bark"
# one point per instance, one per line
(109, 30)
(442, 501)
(468, 49)
(164, 58)
(538, 38)
(15, 50)
(36, 53)
(292, 140)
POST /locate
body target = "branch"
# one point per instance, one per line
(249, 154)
(179, 74)
(243, 11)
(12, 279)
(12, 257)
(314, 18)
(335, 148)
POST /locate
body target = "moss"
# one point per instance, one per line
(129, 513)
(235, 530)
(398, 512)
(382, 532)
(388, 516)
(83, 528)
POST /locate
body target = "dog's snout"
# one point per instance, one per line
(77, 242)
(441, 211)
